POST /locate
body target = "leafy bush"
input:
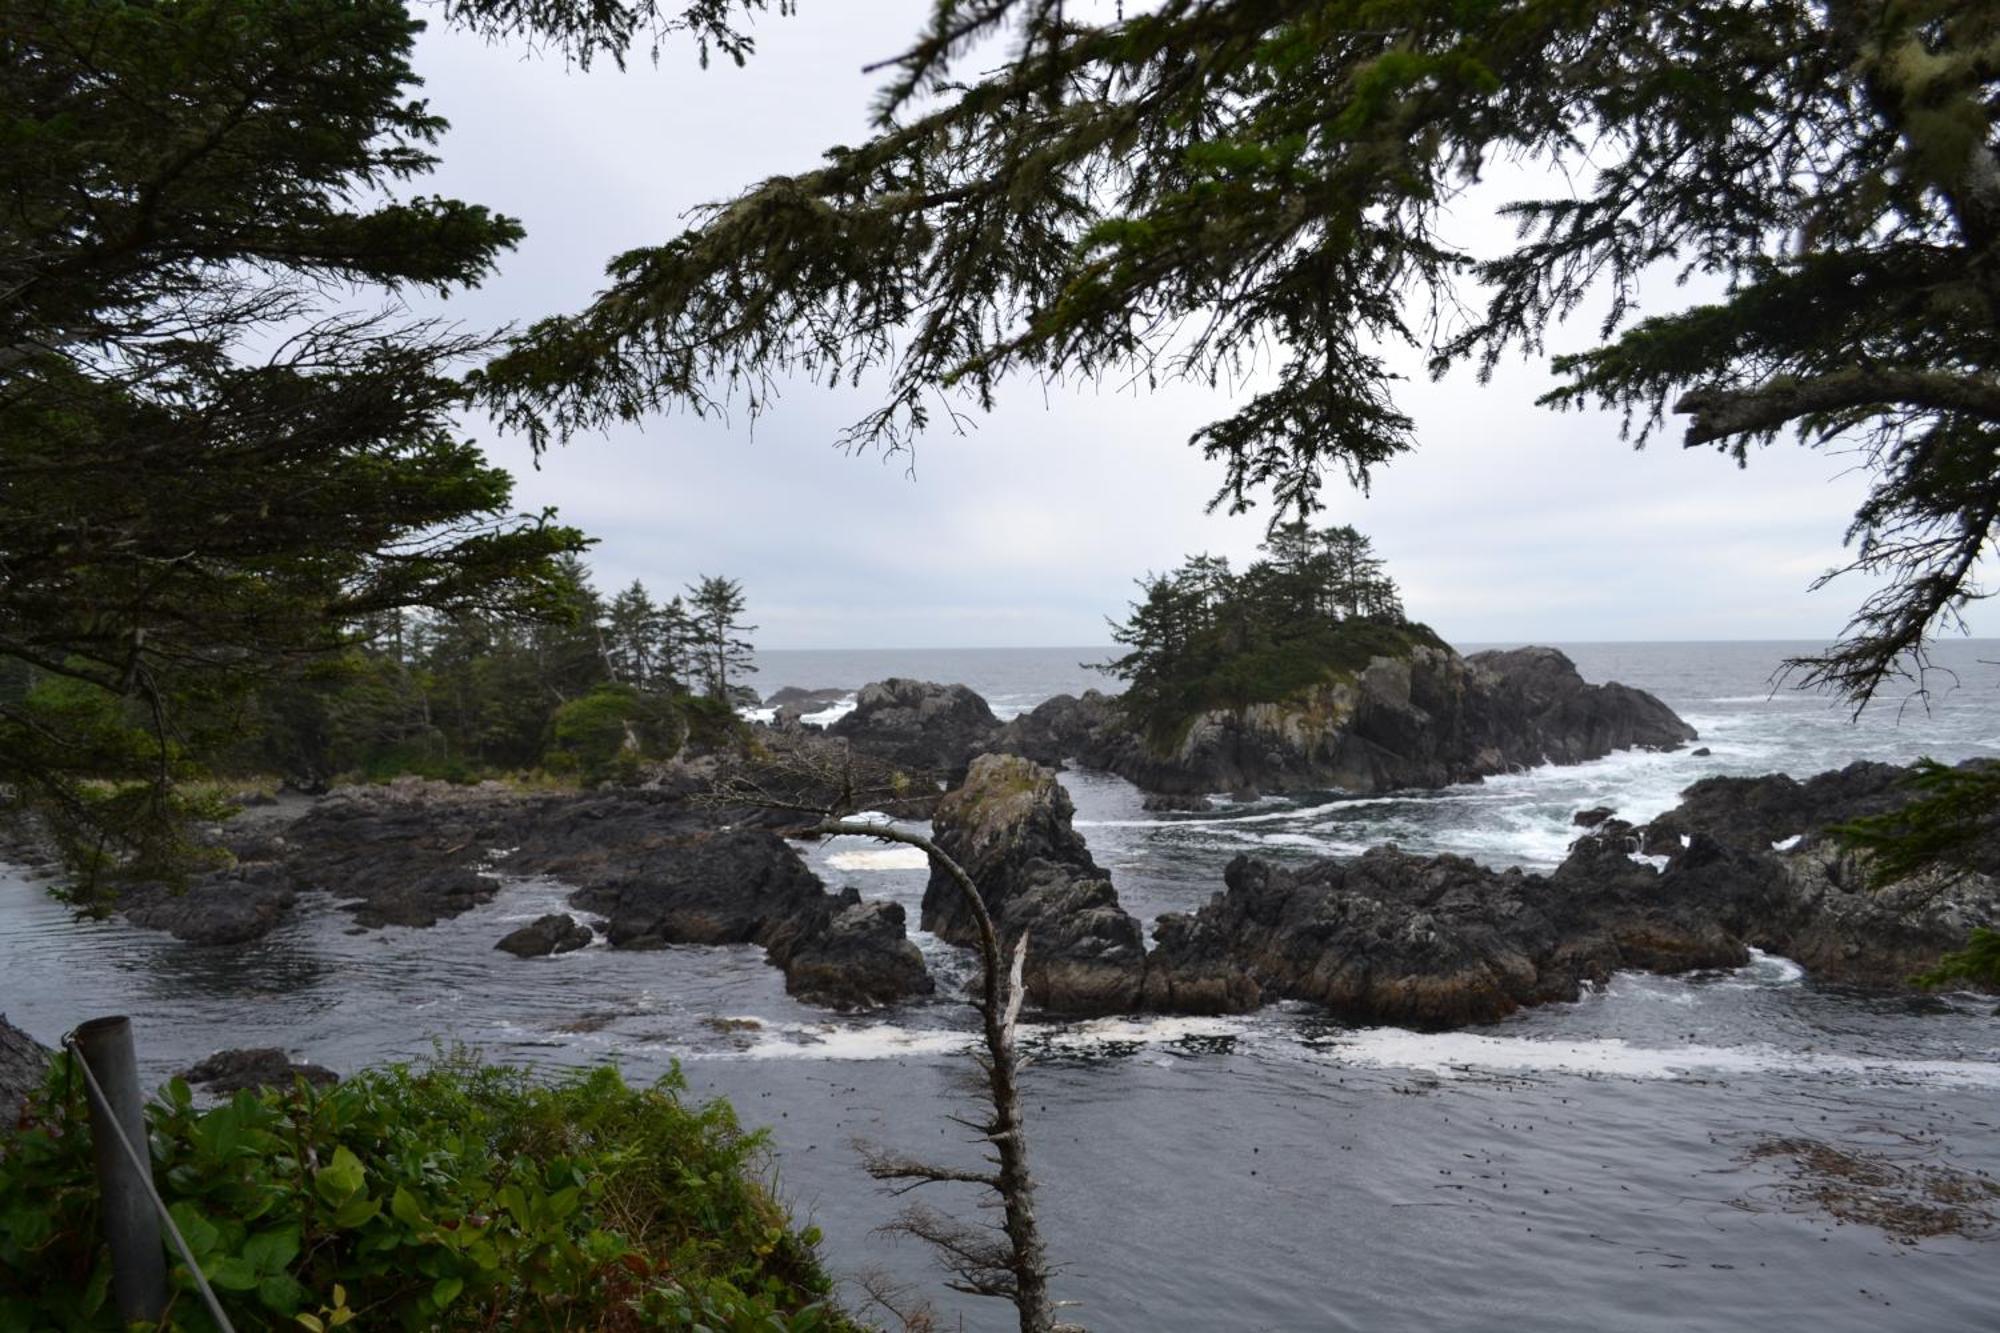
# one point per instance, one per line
(604, 733)
(456, 1197)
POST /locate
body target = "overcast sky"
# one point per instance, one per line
(1510, 523)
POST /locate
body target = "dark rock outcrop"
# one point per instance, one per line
(1756, 812)
(861, 957)
(558, 932)
(662, 871)
(228, 1072)
(1009, 827)
(24, 1062)
(730, 886)
(1592, 817)
(662, 868)
(804, 701)
(1428, 719)
(1168, 803)
(919, 726)
(1435, 942)
(1423, 942)
(233, 906)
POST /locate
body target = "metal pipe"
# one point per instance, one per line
(131, 1226)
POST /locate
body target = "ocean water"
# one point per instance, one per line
(1589, 1166)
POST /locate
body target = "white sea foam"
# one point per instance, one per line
(1786, 844)
(887, 858)
(1775, 969)
(1451, 1054)
(1160, 1031)
(826, 717)
(888, 1041)
(827, 1041)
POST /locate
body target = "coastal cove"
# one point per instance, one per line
(1607, 1163)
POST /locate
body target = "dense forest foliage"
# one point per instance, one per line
(587, 688)
(591, 690)
(1315, 610)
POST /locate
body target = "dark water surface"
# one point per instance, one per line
(1586, 1166)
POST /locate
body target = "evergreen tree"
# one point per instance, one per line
(1356, 584)
(211, 475)
(1177, 186)
(676, 645)
(715, 606)
(1318, 610)
(632, 636)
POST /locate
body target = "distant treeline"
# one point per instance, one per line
(1201, 637)
(592, 683)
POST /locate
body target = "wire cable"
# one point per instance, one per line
(145, 1170)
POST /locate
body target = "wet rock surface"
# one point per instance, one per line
(228, 1072)
(659, 867)
(1437, 942)
(861, 957)
(558, 932)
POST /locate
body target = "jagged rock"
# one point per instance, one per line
(729, 886)
(1089, 729)
(1592, 817)
(1169, 803)
(919, 726)
(1428, 719)
(233, 906)
(558, 932)
(804, 701)
(229, 1072)
(1536, 708)
(1008, 815)
(1086, 953)
(1422, 942)
(1009, 827)
(24, 1062)
(660, 868)
(1756, 812)
(743, 696)
(862, 957)
(1440, 941)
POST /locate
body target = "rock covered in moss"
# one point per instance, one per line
(1009, 826)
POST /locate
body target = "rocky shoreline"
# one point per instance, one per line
(1387, 937)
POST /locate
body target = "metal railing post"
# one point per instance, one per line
(131, 1226)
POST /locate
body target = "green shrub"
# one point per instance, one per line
(607, 731)
(455, 1197)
